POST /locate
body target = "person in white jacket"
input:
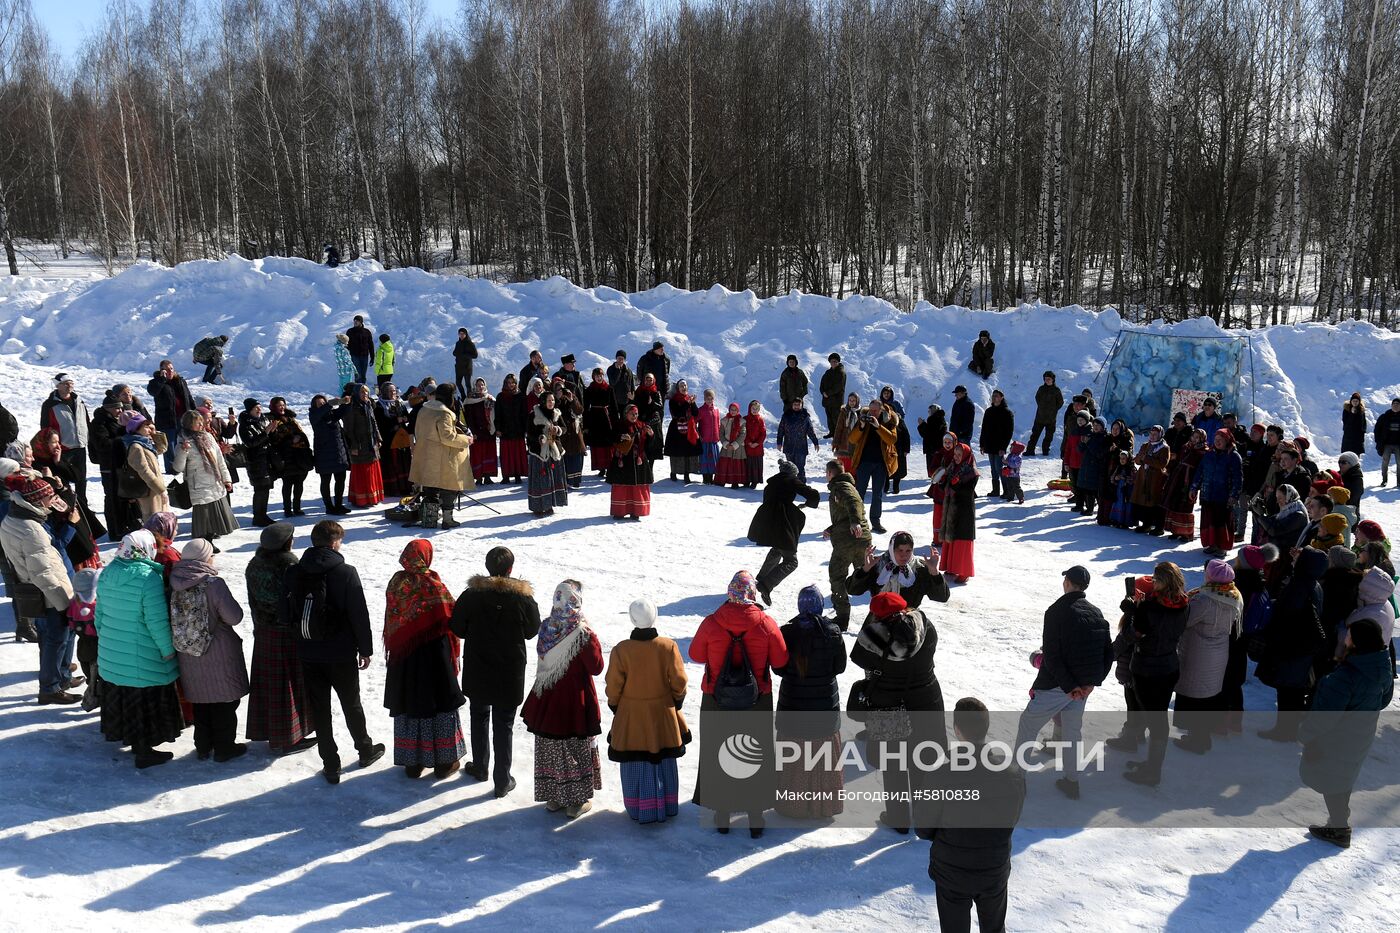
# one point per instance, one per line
(1214, 615)
(206, 475)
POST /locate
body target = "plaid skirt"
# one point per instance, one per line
(483, 457)
(141, 716)
(709, 456)
(366, 484)
(213, 520)
(515, 461)
(1181, 523)
(547, 487)
(278, 710)
(630, 500)
(650, 791)
(428, 743)
(566, 770)
(393, 471)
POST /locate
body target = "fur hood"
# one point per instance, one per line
(502, 585)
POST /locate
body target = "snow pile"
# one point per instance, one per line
(283, 314)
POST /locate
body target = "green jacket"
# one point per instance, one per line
(384, 359)
(847, 508)
(133, 625)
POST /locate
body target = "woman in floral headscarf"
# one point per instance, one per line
(959, 515)
(738, 624)
(140, 706)
(421, 690)
(562, 708)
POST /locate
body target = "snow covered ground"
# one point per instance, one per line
(264, 843)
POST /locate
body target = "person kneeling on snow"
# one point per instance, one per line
(982, 363)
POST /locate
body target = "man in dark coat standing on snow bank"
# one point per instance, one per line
(494, 617)
(1387, 438)
(658, 364)
(332, 663)
(361, 347)
(982, 363)
(1048, 402)
(463, 355)
(1076, 654)
(777, 525)
(833, 390)
(969, 860)
(998, 428)
(961, 416)
(172, 398)
(792, 383)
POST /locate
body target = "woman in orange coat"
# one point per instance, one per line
(736, 632)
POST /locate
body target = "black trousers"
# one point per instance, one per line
(215, 726)
(77, 460)
(344, 678)
(260, 494)
(1153, 694)
(955, 903)
(464, 378)
(1338, 809)
(777, 566)
(491, 728)
(291, 493)
(122, 516)
(339, 499)
(1049, 429)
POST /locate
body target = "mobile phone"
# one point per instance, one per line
(1130, 587)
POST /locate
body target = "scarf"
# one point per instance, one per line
(742, 589)
(891, 577)
(139, 440)
(549, 445)
(139, 545)
(893, 638)
(732, 422)
(417, 606)
(561, 636)
(205, 444)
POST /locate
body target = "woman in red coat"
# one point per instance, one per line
(740, 625)
(755, 433)
(562, 708)
(938, 465)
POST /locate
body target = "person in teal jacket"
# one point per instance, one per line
(384, 360)
(1335, 746)
(140, 707)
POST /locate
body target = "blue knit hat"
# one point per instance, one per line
(810, 601)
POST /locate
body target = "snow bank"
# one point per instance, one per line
(282, 315)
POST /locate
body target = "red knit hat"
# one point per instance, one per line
(1371, 529)
(885, 605)
(35, 489)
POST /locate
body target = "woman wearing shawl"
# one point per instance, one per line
(646, 685)
(1180, 493)
(816, 657)
(1120, 441)
(938, 463)
(630, 473)
(213, 676)
(739, 624)
(959, 515)
(899, 571)
(650, 408)
(208, 479)
(510, 428)
(395, 444)
(903, 441)
(683, 437)
(562, 708)
(362, 442)
(290, 453)
(599, 422)
(532, 395)
(279, 712)
(1152, 462)
(547, 487)
(140, 707)
(47, 458)
(755, 433)
(164, 527)
(479, 412)
(421, 690)
(733, 461)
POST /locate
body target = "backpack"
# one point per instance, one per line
(204, 350)
(1258, 613)
(189, 620)
(736, 687)
(307, 604)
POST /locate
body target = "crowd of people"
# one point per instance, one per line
(156, 629)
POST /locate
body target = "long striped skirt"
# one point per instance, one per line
(573, 470)
(651, 792)
(732, 470)
(956, 558)
(567, 771)
(515, 460)
(630, 500)
(601, 457)
(1217, 526)
(709, 456)
(483, 457)
(547, 487)
(393, 470)
(1182, 524)
(278, 710)
(427, 743)
(813, 793)
(366, 484)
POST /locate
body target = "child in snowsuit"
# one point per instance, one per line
(1011, 474)
(1121, 514)
(81, 610)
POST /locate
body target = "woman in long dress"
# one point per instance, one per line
(206, 474)
(479, 412)
(562, 708)
(959, 515)
(547, 488)
(683, 437)
(510, 427)
(362, 441)
(630, 472)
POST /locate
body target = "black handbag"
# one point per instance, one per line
(237, 458)
(130, 485)
(857, 701)
(29, 601)
(179, 493)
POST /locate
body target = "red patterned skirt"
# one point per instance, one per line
(732, 470)
(630, 500)
(515, 463)
(366, 484)
(483, 457)
(1181, 523)
(1217, 526)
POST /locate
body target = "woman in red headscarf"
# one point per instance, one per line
(421, 690)
(959, 514)
(733, 459)
(938, 463)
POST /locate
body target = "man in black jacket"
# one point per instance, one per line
(961, 415)
(1048, 402)
(535, 369)
(361, 347)
(998, 427)
(172, 399)
(778, 524)
(658, 364)
(332, 663)
(494, 617)
(969, 860)
(9, 428)
(1076, 654)
(833, 390)
(463, 353)
(622, 384)
(109, 453)
(1387, 438)
(982, 351)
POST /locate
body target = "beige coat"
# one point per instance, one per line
(152, 472)
(440, 458)
(28, 547)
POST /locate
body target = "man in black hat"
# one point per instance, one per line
(570, 374)
(621, 381)
(1048, 402)
(982, 351)
(1076, 654)
(961, 416)
(659, 365)
(833, 390)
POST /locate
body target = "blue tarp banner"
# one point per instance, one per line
(1144, 369)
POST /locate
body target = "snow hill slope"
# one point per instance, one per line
(282, 315)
